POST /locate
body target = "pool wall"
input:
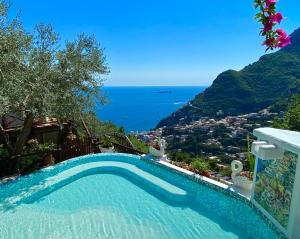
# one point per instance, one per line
(276, 191)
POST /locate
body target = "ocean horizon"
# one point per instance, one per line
(140, 108)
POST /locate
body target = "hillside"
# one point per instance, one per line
(269, 82)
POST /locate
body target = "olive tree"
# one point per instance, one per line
(41, 78)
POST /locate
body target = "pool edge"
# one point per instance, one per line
(217, 187)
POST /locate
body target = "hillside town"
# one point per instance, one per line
(224, 139)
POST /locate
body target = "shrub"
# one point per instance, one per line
(35, 147)
(46, 147)
(181, 157)
(291, 119)
(28, 163)
(213, 164)
(226, 171)
(200, 166)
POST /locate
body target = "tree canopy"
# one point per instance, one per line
(291, 119)
(40, 76)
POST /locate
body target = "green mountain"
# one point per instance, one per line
(269, 82)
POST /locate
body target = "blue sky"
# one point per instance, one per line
(162, 42)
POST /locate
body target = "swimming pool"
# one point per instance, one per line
(116, 196)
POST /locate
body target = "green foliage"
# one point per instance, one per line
(271, 81)
(226, 171)
(200, 166)
(138, 144)
(97, 127)
(44, 77)
(37, 148)
(220, 130)
(213, 164)
(46, 147)
(41, 77)
(250, 162)
(101, 129)
(291, 119)
(181, 157)
(3, 151)
(28, 163)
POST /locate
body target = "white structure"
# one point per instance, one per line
(276, 190)
(158, 153)
(240, 181)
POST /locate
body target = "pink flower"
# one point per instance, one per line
(284, 41)
(268, 26)
(270, 2)
(281, 32)
(269, 42)
(276, 18)
(269, 18)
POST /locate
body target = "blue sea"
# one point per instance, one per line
(141, 108)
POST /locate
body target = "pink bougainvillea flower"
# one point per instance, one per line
(282, 38)
(269, 42)
(268, 26)
(276, 17)
(269, 2)
(270, 18)
(284, 41)
(281, 32)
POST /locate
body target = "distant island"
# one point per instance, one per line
(164, 92)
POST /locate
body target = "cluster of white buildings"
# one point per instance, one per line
(238, 125)
(236, 128)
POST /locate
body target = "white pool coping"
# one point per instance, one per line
(231, 187)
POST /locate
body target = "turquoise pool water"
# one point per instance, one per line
(121, 196)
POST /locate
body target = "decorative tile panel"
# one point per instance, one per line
(274, 186)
